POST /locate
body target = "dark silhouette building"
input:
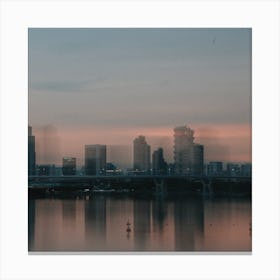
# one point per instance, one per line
(197, 159)
(46, 170)
(31, 153)
(233, 169)
(159, 165)
(246, 169)
(141, 155)
(69, 166)
(95, 159)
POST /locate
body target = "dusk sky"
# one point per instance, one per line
(107, 86)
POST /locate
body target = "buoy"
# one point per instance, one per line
(128, 227)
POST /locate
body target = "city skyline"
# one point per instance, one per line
(108, 86)
(100, 159)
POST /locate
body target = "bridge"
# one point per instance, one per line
(159, 184)
(116, 177)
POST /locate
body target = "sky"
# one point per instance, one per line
(107, 86)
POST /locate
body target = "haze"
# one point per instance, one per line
(107, 86)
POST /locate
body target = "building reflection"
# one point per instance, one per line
(159, 213)
(31, 223)
(189, 224)
(68, 213)
(119, 218)
(227, 225)
(162, 225)
(177, 224)
(95, 223)
(141, 224)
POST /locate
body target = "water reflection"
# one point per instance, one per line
(178, 224)
(142, 224)
(31, 223)
(95, 223)
(189, 224)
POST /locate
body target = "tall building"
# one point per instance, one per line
(31, 153)
(69, 166)
(183, 142)
(188, 156)
(95, 159)
(159, 166)
(141, 154)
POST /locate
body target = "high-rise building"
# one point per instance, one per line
(188, 156)
(69, 166)
(141, 154)
(95, 159)
(31, 153)
(183, 142)
(159, 166)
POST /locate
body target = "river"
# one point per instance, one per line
(122, 223)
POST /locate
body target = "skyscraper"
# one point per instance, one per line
(69, 166)
(159, 165)
(188, 156)
(95, 159)
(31, 152)
(141, 154)
(183, 142)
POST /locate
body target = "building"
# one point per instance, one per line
(141, 155)
(183, 142)
(246, 169)
(197, 159)
(31, 153)
(215, 168)
(46, 170)
(188, 156)
(159, 166)
(69, 166)
(171, 169)
(233, 169)
(95, 159)
(112, 169)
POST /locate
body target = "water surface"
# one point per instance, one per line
(173, 224)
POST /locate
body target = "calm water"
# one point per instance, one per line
(100, 224)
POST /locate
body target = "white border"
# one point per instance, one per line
(17, 16)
